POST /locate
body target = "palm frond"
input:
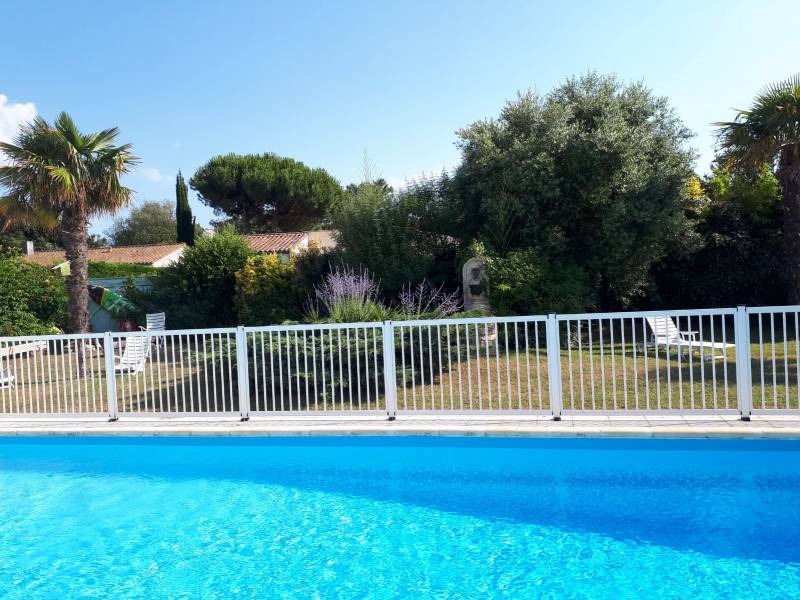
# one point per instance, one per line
(53, 167)
(757, 135)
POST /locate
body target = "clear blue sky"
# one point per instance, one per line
(323, 81)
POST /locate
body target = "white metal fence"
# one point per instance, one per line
(729, 360)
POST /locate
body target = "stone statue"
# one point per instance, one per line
(474, 283)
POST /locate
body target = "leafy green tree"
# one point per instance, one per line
(267, 291)
(183, 212)
(592, 176)
(737, 256)
(199, 289)
(32, 297)
(15, 236)
(523, 282)
(266, 192)
(769, 132)
(150, 223)
(388, 234)
(60, 177)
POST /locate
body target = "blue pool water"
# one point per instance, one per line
(399, 518)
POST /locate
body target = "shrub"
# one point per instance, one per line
(267, 291)
(738, 255)
(107, 270)
(199, 290)
(33, 299)
(521, 282)
(347, 296)
(424, 301)
(385, 233)
(311, 264)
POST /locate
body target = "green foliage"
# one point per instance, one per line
(522, 282)
(108, 270)
(356, 310)
(266, 192)
(150, 223)
(14, 236)
(33, 299)
(392, 235)
(311, 264)
(769, 132)
(267, 291)
(768, 128)
(199, 290)
(737, 259)
(593, 176)
(185, 223)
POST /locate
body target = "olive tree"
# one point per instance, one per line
(591, 177)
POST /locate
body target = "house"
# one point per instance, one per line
(162, 255)
(289, 244)
(153, 255)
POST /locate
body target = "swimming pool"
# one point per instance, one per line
(398, 517)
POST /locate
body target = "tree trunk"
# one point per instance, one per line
(74, 230)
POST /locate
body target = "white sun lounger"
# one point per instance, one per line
(667, 335)
(22, 348)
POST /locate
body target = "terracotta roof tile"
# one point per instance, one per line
(275, 242)
(140, 255)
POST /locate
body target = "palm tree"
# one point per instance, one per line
(58, 177)
(768, 133)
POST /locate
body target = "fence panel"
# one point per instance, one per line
(682, 361)
(489, 365)
(191, 372)
(316, 369)
(53, 375)
(774, 351)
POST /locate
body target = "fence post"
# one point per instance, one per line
(389, 375)
(744, 376)
(554, 366)
(111, 381)
(242, 373)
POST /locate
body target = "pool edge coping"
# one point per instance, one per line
(272, 430)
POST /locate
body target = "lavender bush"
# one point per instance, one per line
(424, 301)
(347, 295)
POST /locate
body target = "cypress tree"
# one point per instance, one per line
(183, 212)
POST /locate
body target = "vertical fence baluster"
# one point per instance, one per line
(242, 372)
(554, 366)
(569, 364)
(744, 381)
(111, 384)
(389, 373)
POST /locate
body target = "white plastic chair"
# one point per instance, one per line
(156, 322)
(6, 379)
(134, 356)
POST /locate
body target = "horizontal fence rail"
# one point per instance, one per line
(727, 361)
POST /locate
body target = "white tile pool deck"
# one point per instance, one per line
(705, 426)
